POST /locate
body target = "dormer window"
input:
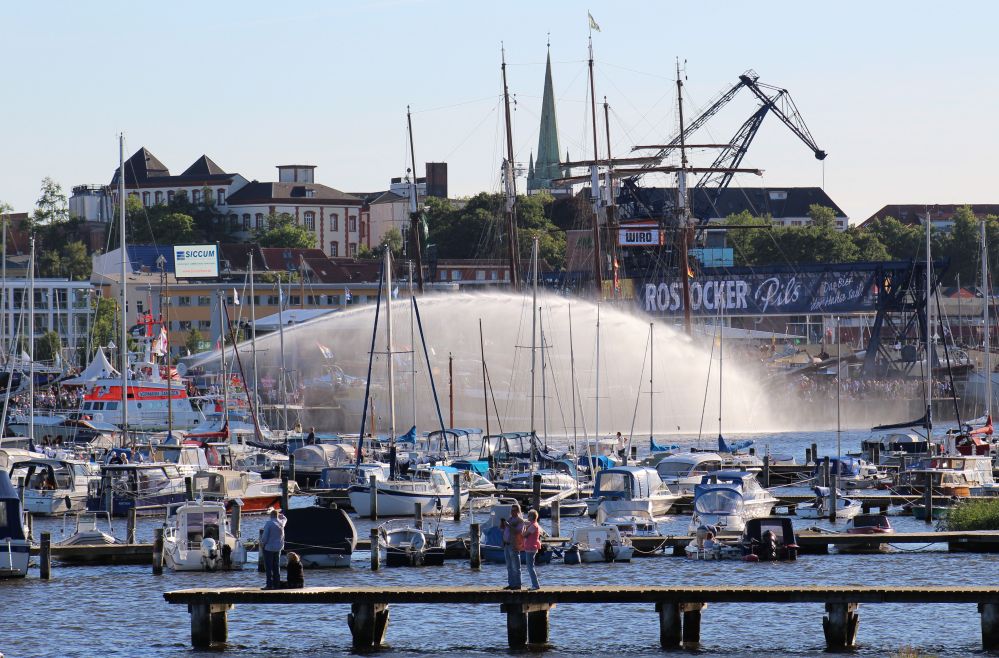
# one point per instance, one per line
(310, 193)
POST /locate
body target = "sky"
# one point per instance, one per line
(902, 95)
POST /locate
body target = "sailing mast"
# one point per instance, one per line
(485, 389)
(682, 216)
(414, 218)
(987, 297)
(31, 341)
(534, 331)
(388, 355)
(721, 363)
(595, 185)
(510, 185)
(412, 338)
(124, 295)
(284, 376)
(596, 420)
(544, 387)
(652, 367)
(611, 210)
(928, 372)
(253, 342)
(225, 376)
(572, 385)
(3, 292)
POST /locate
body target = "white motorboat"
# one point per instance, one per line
(14, 546)
(399, 497)
(409, 546)
(200, 540)
(727, 499)
(552, 482)
(633, 483)
(55, 485)
(950, 475)
(630, 518)
(87, 532)
(682, 472)
(599, 543)
(821, 507)
(854, 473)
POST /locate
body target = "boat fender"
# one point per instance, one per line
(227, 556)
(608, 551)
(750, 558)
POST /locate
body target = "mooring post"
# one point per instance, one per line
(457, 497)
(556, 519)
(825, 471)
(209, 624)
(418, 515)
(990, 625)
(130, 531)
(220, 623)
(537, 623)
(368, 623)
(284, 493)
(45, 557)
(692, 623)
(840, 625)
(536, 492)
(766, 470)
(516, 625)
(291, 467)
(375, 550)
(815, 453)
(158, 551)
(928, 497)
(261, 567)
(808, 456)
(474, 555)
(670, 635)
(236, 519)
(189, 488)
(373, 492)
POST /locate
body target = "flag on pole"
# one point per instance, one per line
(593, 23)
(235, 297)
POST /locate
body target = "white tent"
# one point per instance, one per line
(99, 368)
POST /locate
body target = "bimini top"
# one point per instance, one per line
(848, 466)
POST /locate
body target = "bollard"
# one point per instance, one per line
(832, 495)
(808, 456)
(157, 551)
(260, 552)
(474, 554)
(284, 493)
(291, 467)
(418, 515)
(556, 519)
(457, 497)
(236, 519)
(130, 532)
(536, 493)
(189, 487)
(815, 452)
(373, 484)
(928, 498)
(766, 471)
(375, 550)
(45, 557)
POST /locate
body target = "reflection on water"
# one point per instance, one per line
(120, 611)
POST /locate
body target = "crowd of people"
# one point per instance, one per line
(810, 388)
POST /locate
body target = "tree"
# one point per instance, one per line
(75, 261)
(49, 264)
(105, 324)
(193, 341)
(47, 346)
(51, 207)
(282, 231)
(869, 246)
(821, 216)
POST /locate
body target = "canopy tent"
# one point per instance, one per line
(98, 368)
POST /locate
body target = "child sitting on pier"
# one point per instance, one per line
(296, 574)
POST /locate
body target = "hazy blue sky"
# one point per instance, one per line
(902, 95)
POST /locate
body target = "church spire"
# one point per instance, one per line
(547, 166)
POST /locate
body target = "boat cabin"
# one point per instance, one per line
(627, 482)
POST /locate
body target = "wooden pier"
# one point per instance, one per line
(679, 608)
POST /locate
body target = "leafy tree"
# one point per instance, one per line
(902, 241)
(821, 216)
(47, 346)
(869, 246)
(105, 323)
(49, 264)
(193, 341)
(75, 261)
(51, 207)
(282, 231)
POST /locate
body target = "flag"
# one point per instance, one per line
(347, 296)
(160, 343)
(235, 297)
(593, 23)
(327, 352)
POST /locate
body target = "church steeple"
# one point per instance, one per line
(547, 166)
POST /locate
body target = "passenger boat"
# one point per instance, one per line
(14, 546)
(55, 485)
(408, 546)
(323, 537)
(634, 483)
(683, 472)
(400, 497)
(199, 539)
(136, 485)
(147, 404)
(598, 543)
(949, 475)
(821, 507)
(227, 486)
(728, 499)
(766, 539)
(876, 525)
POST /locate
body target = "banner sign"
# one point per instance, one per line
(199, 261)
(810, 289)
(639, 235)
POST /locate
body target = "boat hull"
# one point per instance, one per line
(399, 503)
(14, 556)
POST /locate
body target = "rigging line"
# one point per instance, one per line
(458, 104)
(643, 115)
(707, 384)
(638, 398)
(558, 397)
(631, 70)
(468, 136)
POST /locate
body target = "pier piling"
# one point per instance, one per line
(815, 452)
(373, 484)
(928, 497)
(556, 519)
(236, 519)
(670, 625)
(840, 625)
(474, 554)
(368, 623)
(158, 551)
(209, 624)
(691, 634)
(261, 567)
(457, 497)
(130, 531)
(990, 625)
(284, 492)
(375, 552)
(766, 470)
(536, 492)
(418, 515)
(45, 557)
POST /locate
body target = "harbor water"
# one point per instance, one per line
(120, 611)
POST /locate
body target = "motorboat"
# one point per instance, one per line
(254, 493)
(14, 546)
(728, 499)
(682, 472)
(491, 544)
(55, 485)
(875, 525)
(88, 532)
(312, 460)
(400, 497)
(949, 475)
(268, 464)
(854, 473)
(552, 482)
(629, 518)
(74, 428)
(633, 483)
(408, 546)
(894, 447)
(764, 539)
(136, 485)
(323, 537)
(821, 506)
(199, 539)
(598, 543)
(10, 457)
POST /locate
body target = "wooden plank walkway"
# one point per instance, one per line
(679, 607)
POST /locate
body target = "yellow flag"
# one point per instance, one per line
(593, 23)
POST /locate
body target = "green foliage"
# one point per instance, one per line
(193, 341)
(282, 231)
(177, 222)
(51, 207)
(70, 261)
(973, 515)
(47, 346)
(105, 324)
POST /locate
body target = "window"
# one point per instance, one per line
(196, 196)
(183, 300)
(204, 300)
(334, 300)
(455, 275)
(310, 193)
(443, 275)
(169, 196)
(494, 275)
(480, 275)
(185, 325)
(310, 220)
(259, 220)
(145, 199)
(506, 275)
(295, 300)
(138, 306)
(220, 195)
(272, 300)
(334, 249)
(334, 222)
(204, 324)
(352, 249)
(352, 224)
(159, 198)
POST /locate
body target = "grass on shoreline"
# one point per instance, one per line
(973, 515)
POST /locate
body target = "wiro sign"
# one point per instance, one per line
(640, 235)
(834, 288)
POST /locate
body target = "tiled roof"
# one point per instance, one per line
(913, 213)
(257, 193)
(778, 202)
(204, 166)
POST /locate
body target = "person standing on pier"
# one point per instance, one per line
(532, 544)
(513, 544)
(272, 543)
